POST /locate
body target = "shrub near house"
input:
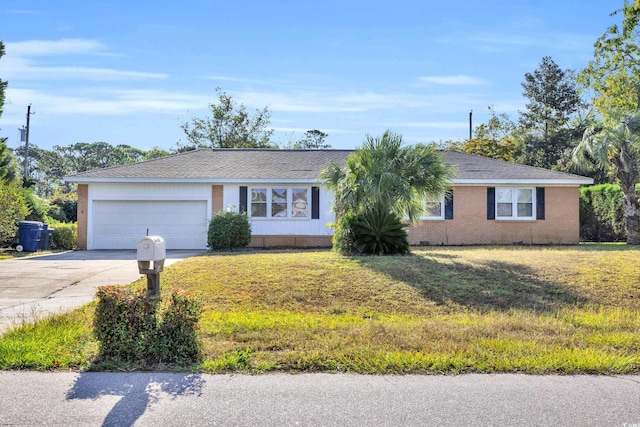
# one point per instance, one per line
(602, 214)
(229, 230)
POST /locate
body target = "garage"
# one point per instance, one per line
(119, 224)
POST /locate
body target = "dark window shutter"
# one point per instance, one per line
(315, 202)
(243, 199)
(491, 202)
(539, 202)
(448, 206)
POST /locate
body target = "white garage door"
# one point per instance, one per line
(119, 224)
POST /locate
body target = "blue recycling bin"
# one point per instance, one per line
(29, 233)
(45, 237)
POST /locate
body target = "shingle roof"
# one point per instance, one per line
(226, 164)
(253, 164)
(472, 167)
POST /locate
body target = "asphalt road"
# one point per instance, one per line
(160, 399)
(42, 285)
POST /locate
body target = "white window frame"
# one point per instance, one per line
(289, 212)
(426, 215)
(514, 204)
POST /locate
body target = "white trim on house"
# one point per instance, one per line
(517, 182)
(190, 181)
(455, 181)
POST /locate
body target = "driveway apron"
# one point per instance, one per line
(42, 285)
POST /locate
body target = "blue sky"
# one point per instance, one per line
(130, 72)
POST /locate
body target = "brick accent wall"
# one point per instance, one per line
(217, 199)
(83, 205)
(290, 241)
(470, 225)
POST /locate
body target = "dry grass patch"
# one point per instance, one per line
(440, 310)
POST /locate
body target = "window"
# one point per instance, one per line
(514, 203)
(434, 209)
(258, 202)
(280, 202)
(300, 203)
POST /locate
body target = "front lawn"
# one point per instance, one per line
(440, 310)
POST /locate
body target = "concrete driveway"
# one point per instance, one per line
(38, 286)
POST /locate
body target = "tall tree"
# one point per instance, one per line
(8, 167)
(617, 147)
(547, 125)
(229, 126)
(382, 183)
(614, 73)
(3, 84)
(312, 140)
(493, 139)
(49, 167)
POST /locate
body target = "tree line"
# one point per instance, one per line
(558, 130)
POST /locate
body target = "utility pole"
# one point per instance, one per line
(26, 147)
(470, 124)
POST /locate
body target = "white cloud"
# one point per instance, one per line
(115, 102)
(435, 125)
(458, 80)
(234, 79)
(302, 130)
(20, 62)
(54, 47)
(500, 42)
(16, 69)
(319, 101)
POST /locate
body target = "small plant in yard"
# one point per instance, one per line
(134, 328)
(375, 232)
(229, 230)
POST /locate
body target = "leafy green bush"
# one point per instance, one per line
(134, 328)
(13, 208)
(176, 337)
(375, 232)
(123, 323)
(602, 214)
(37, 208)
(64, 236)
(64, 208)
(343, 238)
(229, 230)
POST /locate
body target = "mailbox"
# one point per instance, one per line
(151, 249)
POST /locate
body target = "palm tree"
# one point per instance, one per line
(383, 178)
(615, 144)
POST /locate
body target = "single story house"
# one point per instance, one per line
(491, 202)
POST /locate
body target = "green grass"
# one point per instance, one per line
(446, 310)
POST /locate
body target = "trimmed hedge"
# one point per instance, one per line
(602, 214)
(64, 236)
(229, 230)
(145, 331)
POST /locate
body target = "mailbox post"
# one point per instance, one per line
(151, 254)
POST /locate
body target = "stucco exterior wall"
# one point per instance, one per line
(470, 225)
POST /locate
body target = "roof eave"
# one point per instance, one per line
(455, 181)
(524, 181)
(89, 180)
